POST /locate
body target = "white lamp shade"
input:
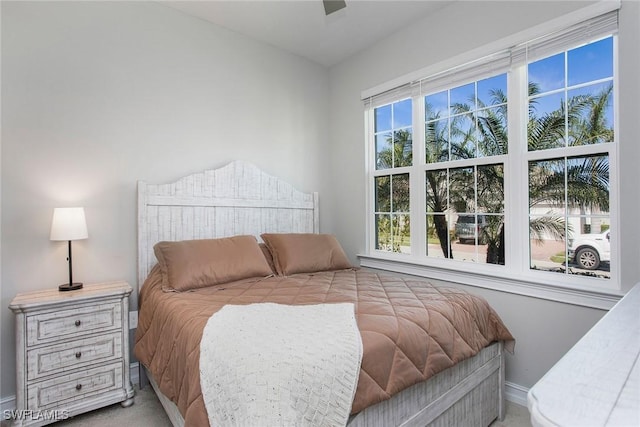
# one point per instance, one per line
(68, 224)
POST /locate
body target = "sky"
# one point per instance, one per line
(585, 64)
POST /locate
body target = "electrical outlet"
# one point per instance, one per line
(133, 319)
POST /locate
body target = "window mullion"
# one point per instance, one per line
(516, 174)
(574, 151)
(370, 179)
(417, 182)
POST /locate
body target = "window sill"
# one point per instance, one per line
(600, 299)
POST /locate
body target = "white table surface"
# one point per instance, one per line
(597, 383)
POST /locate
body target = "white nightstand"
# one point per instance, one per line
(72, 351)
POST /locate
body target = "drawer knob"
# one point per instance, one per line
(78, 354)
(78, 323)
(78, 387)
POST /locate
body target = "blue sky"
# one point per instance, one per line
(585, 64)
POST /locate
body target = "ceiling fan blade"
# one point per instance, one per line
(331, 6)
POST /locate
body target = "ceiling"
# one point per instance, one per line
(301, 27)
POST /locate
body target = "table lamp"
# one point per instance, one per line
(69, 224)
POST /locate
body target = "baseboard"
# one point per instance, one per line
(134, 373)
(516, 393)
(9, 403)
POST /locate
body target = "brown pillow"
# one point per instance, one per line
(305, 253)
(267, 255)
(192, 264)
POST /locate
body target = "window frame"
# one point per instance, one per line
(516, 204)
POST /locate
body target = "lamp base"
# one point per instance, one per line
(69, 287)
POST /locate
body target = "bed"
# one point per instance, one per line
(241, 200)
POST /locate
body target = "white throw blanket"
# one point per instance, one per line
(280, 365)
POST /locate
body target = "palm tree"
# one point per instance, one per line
(437, 143)
(492, 140)
(399, 152)
(593, 128)
(586, 178)
(392, 192)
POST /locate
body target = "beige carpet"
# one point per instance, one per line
(148, 412)
(517, 416)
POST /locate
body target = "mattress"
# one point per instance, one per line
(410, 329)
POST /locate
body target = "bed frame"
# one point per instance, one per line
(241, 199)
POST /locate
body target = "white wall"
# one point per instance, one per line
(544, 330)
(98, 95)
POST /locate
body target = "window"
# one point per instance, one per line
(505, 165)
(465, 135)
(393, 140)
(570, 115)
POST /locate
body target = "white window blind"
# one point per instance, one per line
(546, 45)
(579, 34)
(405, 91)
(472, 71)
(475, 70)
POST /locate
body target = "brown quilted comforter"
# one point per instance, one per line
(410, 329)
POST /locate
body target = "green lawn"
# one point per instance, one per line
(560, 258)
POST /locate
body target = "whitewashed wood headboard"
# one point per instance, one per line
(236, 199)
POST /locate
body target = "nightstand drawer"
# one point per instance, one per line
(74, 387)
(73, 322)
(50, 360)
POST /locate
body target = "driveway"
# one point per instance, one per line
(542, 252)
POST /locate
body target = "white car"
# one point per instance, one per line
(589, 250)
